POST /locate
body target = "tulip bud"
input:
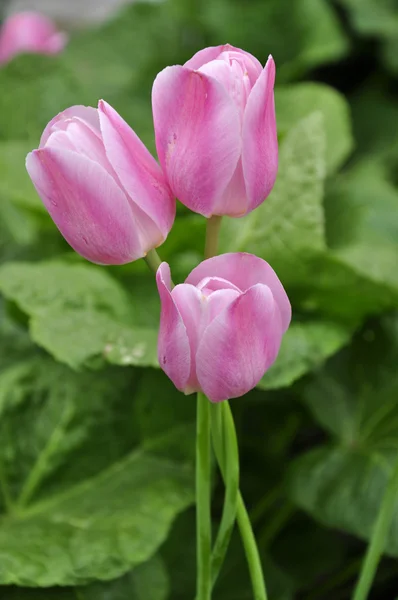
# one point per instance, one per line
(104, 191)
(222, 329)
(215, 130)
(29, 32)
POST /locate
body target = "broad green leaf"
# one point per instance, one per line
(375, 120)
(149, 580)
(295, 102)
(342, 482)
(362, 222)
(48, 412)
(305, 346)
(373, 17)
(78, 335)
(311, 27)
(98, 529)
(289, 226)
(79, 313)
(377, 19)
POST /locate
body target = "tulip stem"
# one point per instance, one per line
(203, 498)
(246, 531)
(226, 448)
(153, 260)
(212, 231)
(378, 539)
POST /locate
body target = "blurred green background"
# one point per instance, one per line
(96, 446)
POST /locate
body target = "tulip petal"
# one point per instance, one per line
(197, 136)
(233, 202)
(190, 304)
(239, 345)
(88, 114)
(259, 137)
(137, 170)
(253, 66)
(86, 204)
(244, 270)
(173, 345)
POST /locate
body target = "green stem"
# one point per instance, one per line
(153, 260)
(252, 554)
(203, 495)
(212, 231)
(378, 540)
(224, 439)
(246, 532)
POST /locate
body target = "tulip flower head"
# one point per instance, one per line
(29, 32)
(215, 130)
(222, 329)
(103, 189)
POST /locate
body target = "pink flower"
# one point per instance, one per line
(221, 330)
(29, 32)
(103, 189)
(216, 130)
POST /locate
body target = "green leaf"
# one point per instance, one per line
(98, 529)
(48, 412)
(148, 580)
(289, 225)
(342, 482)
(89, 482)
(305, 346)
(295, 102)
(364, 232)
(79, 312)
(311, 27)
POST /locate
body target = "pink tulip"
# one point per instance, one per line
(221, 330)
(29, 32)
(103, 189)
(216, 130)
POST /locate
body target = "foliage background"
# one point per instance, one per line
(96, 447)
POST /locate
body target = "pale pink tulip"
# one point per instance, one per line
(215, 130)
(221, 330)
(29, 32)
(103, 189)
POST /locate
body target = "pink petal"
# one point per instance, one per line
(189, 302)
(219, 300)
(197, 136)
(233, 202)
(79, 137)
(260, 143)
(88, 114)
(239, 345)
(86, 204)
(206, 55)
(173, 345)
(244, 270)
(137, 170)
(208, 285)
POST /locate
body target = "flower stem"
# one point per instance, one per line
(153, 260)
(203, 496)
(378, 539)
(212, 231)
(224, 439)
(252, 554)
(246, 532)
